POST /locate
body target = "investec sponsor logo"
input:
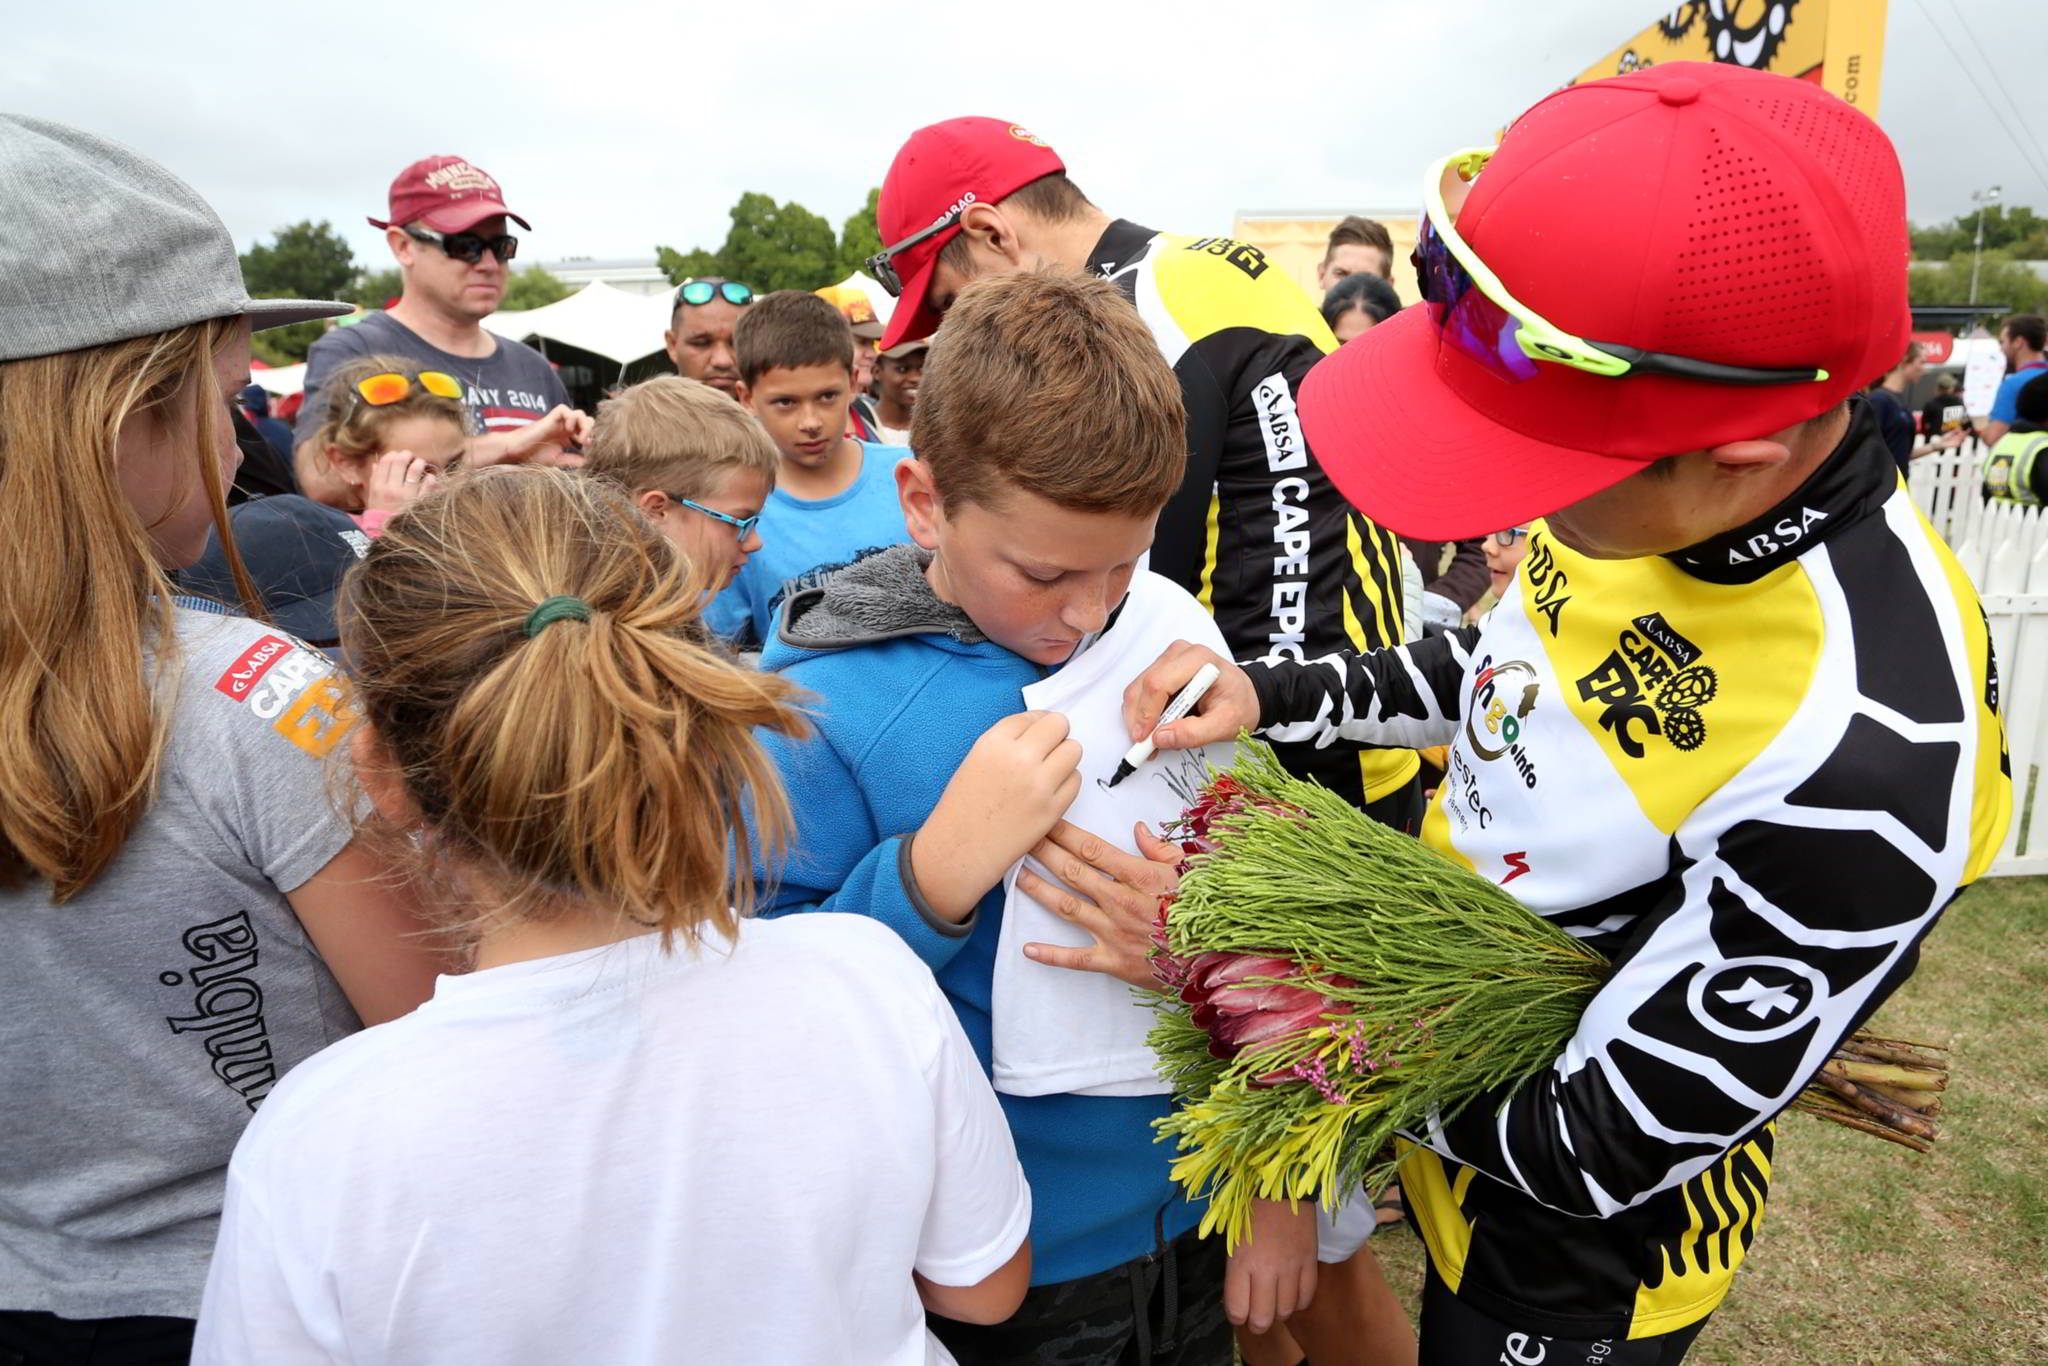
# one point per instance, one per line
(1280, 429)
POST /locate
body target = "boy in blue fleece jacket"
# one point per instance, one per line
(1050, 434)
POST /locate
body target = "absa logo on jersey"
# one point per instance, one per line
(1786, 534)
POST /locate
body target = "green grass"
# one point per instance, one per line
(1873, 1255)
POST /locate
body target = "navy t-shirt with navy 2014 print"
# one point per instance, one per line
(511, 387)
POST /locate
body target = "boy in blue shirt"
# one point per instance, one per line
(834, 497)
(1050, 435)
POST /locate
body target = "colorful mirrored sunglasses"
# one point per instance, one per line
(1476, 314)
(391, 386)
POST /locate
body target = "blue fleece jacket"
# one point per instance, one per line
(896, 709)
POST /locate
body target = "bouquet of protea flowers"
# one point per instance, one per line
(1330, 981)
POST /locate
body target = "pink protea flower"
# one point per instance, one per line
(1238, 1012)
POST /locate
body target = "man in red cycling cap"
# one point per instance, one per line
(1734, 724)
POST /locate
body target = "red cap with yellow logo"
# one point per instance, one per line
(938, 173)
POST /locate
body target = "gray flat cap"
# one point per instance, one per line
(99, 244)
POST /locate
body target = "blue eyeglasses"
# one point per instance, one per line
(742, 527)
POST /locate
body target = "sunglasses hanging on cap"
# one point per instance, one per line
(695, 292)
(882, 266)
(466, 246)
(390, 387)
(1475, 313)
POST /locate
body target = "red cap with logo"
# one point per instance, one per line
(1692, 209)
(447, 194)
(938, 171)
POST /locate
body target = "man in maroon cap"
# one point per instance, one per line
(448, 229)
(1734, 724)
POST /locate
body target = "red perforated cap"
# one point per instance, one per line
(941, 167)
(1696, 209)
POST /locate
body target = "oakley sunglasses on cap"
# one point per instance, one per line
(1475, 313)
(881, 266)
(742, 527)
(695, 292)
(467, 246)
(391, 386)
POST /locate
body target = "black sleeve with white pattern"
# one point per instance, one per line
(1405, 697)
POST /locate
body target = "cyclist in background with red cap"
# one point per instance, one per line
(1735, 722)
(1256, 530)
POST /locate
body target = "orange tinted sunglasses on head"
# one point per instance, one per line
(391, 387)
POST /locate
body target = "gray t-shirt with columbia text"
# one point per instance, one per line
(146, 1018)
(511, 387)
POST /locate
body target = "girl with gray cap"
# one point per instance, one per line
(184, 912)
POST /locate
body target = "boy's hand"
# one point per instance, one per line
(1230, 705)
(1017, 781)
(396, 478)
(1273, 1272)
(537, 443)
(1112, 895)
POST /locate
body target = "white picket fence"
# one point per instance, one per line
(2004, 550)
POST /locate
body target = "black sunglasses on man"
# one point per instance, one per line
(467, 247)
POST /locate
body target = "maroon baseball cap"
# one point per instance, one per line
(1693, 209)
(447, 194)
(940, 170)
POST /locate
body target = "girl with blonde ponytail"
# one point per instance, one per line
(184, 911)
(645, 1127)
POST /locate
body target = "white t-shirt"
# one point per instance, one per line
(624, 1156)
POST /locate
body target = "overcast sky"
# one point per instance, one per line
(613, 126)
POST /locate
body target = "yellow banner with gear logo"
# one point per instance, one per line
(1836, 44)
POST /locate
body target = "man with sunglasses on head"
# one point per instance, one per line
(699, 336)
(1735, 722)
(449, 230)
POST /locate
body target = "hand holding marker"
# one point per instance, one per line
(1183, 702)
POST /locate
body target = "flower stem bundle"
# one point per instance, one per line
(1331, 982)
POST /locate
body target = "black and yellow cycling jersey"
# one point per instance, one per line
(1752, 773)
(1257, 531)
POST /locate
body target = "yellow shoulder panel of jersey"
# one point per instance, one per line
(1210, 283)
(1991, 810)
(1684, 699)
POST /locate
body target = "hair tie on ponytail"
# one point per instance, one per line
(559, 608)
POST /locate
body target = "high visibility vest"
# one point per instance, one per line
(2013, 469)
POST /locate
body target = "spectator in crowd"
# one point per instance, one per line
(646, 1127)
(390, 431)
(899, 372)
(1053, 434)
(295, 552)
(834, 496)
(1945, 413)
(448, 229)
(695, 462)
(2017, 469)
(1887, 399)
(185, 913)
(1358, 246)
(859, 312)
(1357, 302)
(1453, 579)
(255, 404)
(700, 327)
(1504, 550)
(2024, 339)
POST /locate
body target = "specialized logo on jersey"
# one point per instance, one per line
(1243, 255)
(1503, 695)
(1754, 999)
(1652, 683)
